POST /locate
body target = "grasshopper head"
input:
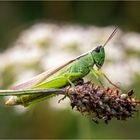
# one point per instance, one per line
(98, 55)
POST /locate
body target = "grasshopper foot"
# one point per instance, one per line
(79, 82)
(62, 98)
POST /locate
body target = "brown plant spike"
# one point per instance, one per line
(102, 104)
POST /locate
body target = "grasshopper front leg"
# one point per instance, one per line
(104, 75)
(97, 77)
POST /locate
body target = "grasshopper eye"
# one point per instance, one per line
(97, 49)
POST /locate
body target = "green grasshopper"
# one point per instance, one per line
(32, 91)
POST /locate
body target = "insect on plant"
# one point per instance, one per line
(65, 75)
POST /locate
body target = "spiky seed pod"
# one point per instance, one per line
(102, 104)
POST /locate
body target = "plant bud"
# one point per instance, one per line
(123, 96)
(102, 104)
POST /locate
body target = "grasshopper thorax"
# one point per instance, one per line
(98, 55)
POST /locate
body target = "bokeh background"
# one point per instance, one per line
(35, 36)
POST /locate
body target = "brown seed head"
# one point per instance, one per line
(102, 104)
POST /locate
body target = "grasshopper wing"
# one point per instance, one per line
(39, 78)
(43, 76)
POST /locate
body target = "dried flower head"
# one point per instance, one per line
(101, 103)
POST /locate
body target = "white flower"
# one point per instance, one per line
(132, 40)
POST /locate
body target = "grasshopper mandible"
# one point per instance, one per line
(62, 76)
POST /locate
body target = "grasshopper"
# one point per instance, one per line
(65, 75)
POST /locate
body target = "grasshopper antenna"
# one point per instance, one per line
(111, 36)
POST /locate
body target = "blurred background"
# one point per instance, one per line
(35, 36)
